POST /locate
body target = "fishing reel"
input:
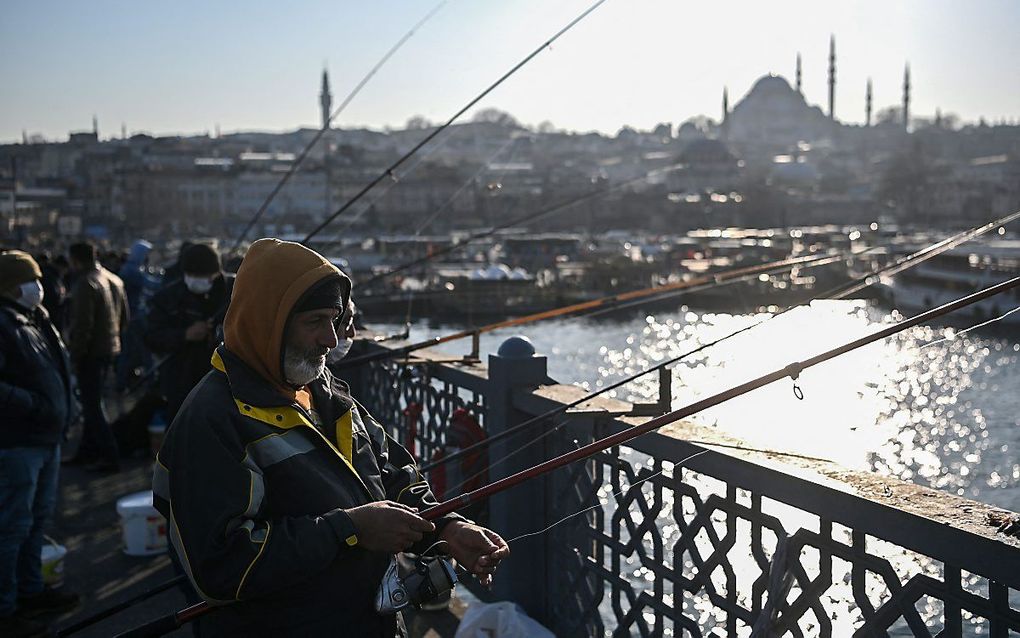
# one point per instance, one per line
(414, 583)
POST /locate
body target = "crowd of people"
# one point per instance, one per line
(73, 328)
(284, 497)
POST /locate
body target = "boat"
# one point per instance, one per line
(956, 273)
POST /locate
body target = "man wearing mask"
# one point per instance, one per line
(184, 319)
(98, 319)
(285, 499)
(37, 403)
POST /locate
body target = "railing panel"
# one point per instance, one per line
(729, 544)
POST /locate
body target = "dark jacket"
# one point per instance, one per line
(255, 493)
(171, 312)
(98, 315)
(36, 396)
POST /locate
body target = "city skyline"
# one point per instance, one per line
(176, 71)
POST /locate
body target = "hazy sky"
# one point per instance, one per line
(187, 65)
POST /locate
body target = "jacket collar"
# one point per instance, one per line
(20, 313)
(249, 387)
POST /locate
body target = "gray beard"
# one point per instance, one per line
(301, 368)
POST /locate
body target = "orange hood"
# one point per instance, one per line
(273, 277)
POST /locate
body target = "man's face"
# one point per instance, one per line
(310, 336)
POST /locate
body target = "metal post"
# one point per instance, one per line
(516, 367)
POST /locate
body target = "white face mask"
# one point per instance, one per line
(31, 294)
(343, 346)
(198, 285)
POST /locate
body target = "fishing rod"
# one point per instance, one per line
(837, 292)
(473, 237)
(792, 371)
(173, 621)
(121, 606)
(347, 100)
(484, 166)
(703, 281)
(428, 138)
(449, 201)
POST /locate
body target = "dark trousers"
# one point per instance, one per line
(28, 494)
(97, 436)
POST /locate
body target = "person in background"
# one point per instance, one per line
(184, 320)
(97, 319)
(139, 285)
(54, 290)
(173, 271)
(37, 401)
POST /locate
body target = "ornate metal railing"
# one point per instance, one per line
(728, 543)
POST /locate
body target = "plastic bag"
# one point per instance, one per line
(499, 620)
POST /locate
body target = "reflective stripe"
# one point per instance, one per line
(272, 449)
(263, 538)
(260, 535)
(345, 436)
(257, 492)
(182, 554)
(287, 417)
(161, 481)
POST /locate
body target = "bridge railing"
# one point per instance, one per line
(672, 537)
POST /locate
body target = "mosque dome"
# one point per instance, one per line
(771, 84)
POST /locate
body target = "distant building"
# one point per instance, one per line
(774, 117)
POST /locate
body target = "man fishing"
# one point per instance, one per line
(285, 499)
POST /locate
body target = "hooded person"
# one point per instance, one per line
(285, 499)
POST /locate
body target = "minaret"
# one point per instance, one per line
(725, 105)
(938, 117)
(325, 99)
(123, 131)
(798, 75)
(906, 97)
(832, 77)
(95, 126)
(867, 105)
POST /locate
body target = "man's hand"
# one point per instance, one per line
(198, 331)
(388, 527)
(476, 548)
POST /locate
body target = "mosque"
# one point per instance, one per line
(775, 114)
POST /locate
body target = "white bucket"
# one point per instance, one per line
(143, 527)
(53, 563)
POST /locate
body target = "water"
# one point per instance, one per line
(944, 414)
(925, 406)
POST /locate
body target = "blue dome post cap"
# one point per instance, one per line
(519, 347)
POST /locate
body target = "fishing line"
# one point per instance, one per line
(177, 618)
(326, 246)
(449, 202)
(837, 292)
(614, 495)
(614, 301)
(518, 221)
(975, 327)
(556, 428)
(347, 100)
(792, 370)
(428, 138)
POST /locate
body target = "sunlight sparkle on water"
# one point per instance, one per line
(939, 413)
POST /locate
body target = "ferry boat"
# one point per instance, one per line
(956, 273)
